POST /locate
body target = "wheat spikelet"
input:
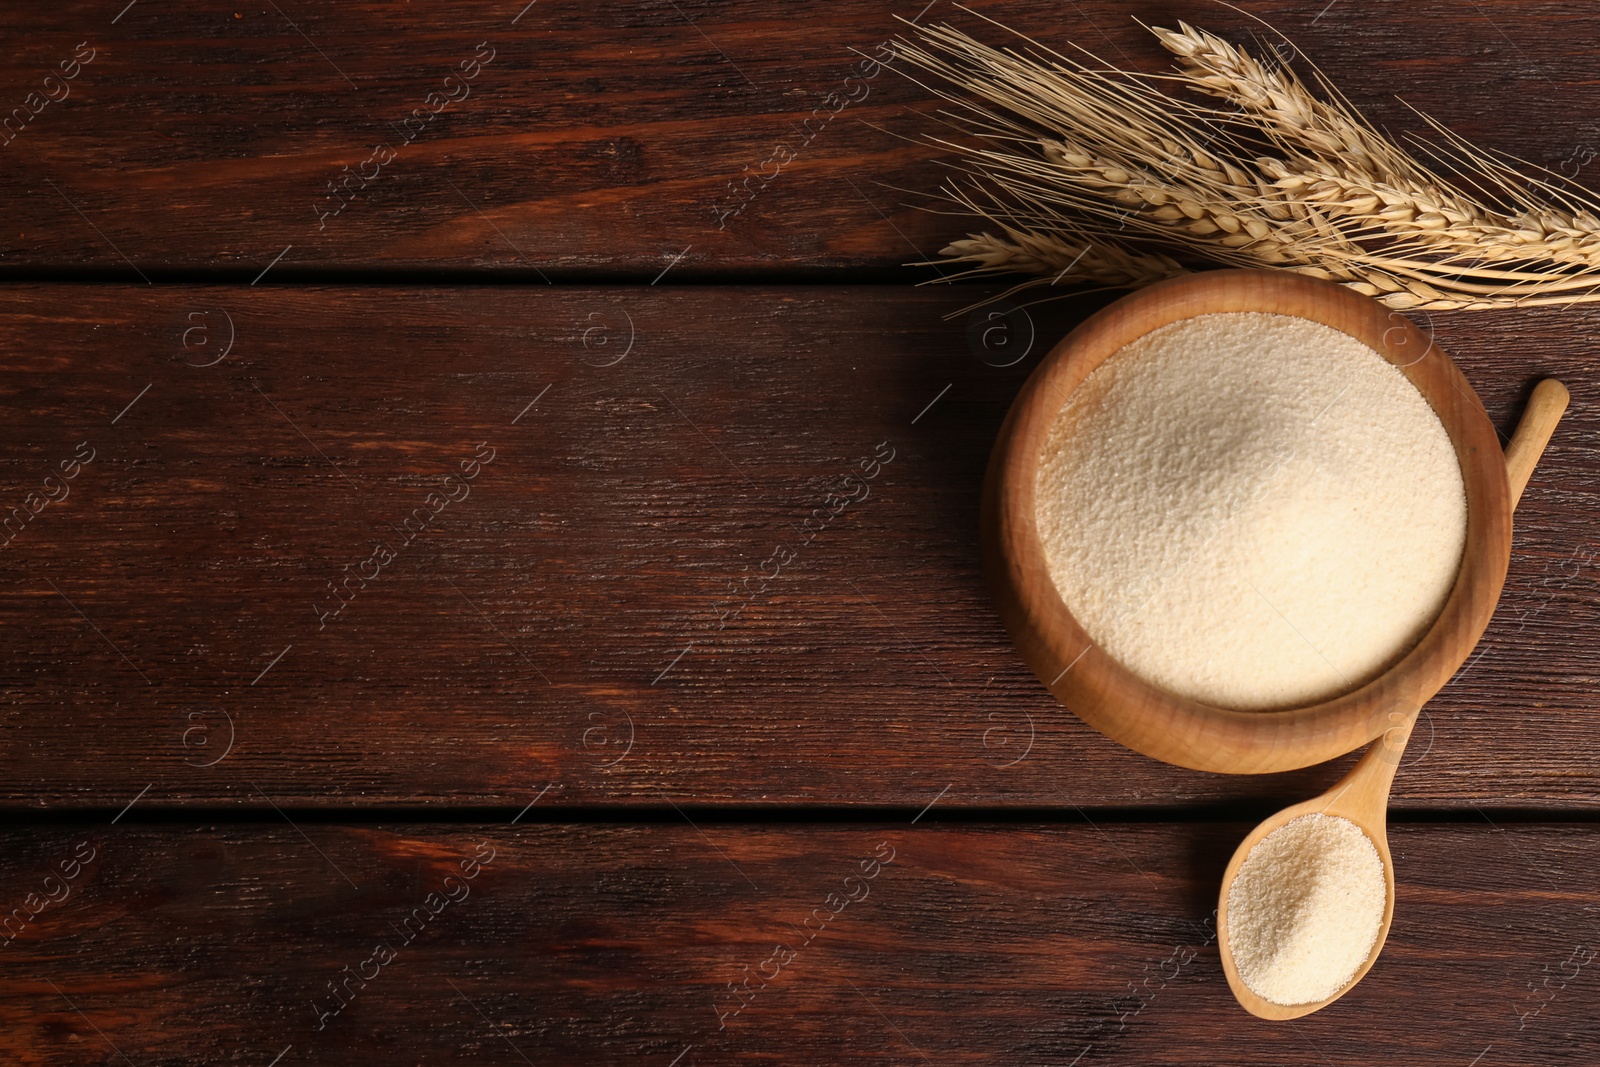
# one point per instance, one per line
(1444, 225)
(1281, 103)
(1100, 262)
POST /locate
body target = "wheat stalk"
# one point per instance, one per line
(1093, 174)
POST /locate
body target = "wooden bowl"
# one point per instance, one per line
(1146, 718)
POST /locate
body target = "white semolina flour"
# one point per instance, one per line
(1305, 908)
(1254, 511)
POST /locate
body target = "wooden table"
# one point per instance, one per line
(416, 651)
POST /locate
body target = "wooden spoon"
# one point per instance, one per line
(1362, 796)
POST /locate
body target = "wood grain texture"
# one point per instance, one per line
(538, 625)
(661, 589)
(600, 944)
(616, 137)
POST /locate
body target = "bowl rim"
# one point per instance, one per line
(1175, 729)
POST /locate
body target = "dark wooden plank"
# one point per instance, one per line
(1014, 945)
(615, 137)
(535, 632)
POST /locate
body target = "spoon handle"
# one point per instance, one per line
(1369, 780)
(1539, 420)
(1364, 790)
